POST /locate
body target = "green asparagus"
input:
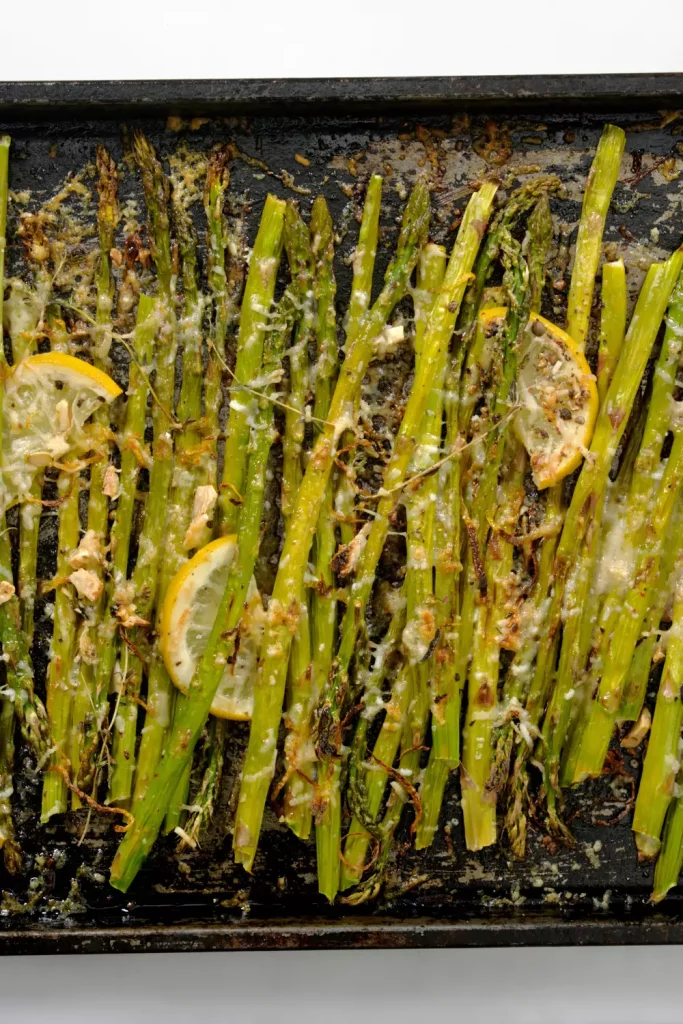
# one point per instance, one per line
(192, 712)
(283, 610)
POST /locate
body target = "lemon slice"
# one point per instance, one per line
(47, 400)
(187, 618)
(557, 396)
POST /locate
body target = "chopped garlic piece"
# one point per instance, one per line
(39, 459)
(87, 584)
(58, 446)
(86, 647)
(638, 731)
(348, 556)
(110, 484)
(125, 607)
(198, 533)
(88, 554)
(388, 340)
(6, 592)
(63, 416)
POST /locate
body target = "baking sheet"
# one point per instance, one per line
(458, 130)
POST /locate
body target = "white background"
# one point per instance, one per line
(315, 38)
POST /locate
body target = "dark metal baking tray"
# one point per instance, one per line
(593, 893)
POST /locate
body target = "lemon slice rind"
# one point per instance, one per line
(47, 400)
(186, 619)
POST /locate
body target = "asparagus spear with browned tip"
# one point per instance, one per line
(298, 792)
(192, 712)
(434, 352)
(284, 607)
(574, 553)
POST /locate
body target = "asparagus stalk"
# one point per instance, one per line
(636, 684)
(190, 398)
(367, 783)
(612, 333)
(192, 713)
(645, 474)
(395, 728)
(273, 350)
(226, 278)
(647, 464)
(8, 843)
(359, 303)
(156, 188)
(597, 197)
(144, 578)
(364, 259)
(596, 201)
(28, 707)
(131, 441)
(635, 687)
(298, 795)
(361, 295)
(328, 832)
(600, 186)
(409, 762)
(302, 268)
(436, 341)
(656, 788)
(520, 203)
(60, 677)
(539, 684)
(258, 296)
(612, 323)
(383, 832)
(570, 572)
(285, 602)
(419, 628)
(98, 501)
(668, 866)
(29, 529)
(431, 799)
(324, 603)
(185, 476)
(421, 506)
(298, 792)
(8, 617)
(445, 684)
(459, 401)
(186, 472)
(203, 807)
(224, 284)
(24, 344)
(15, 646)
(131, 446)
(596, 735)
(433, 523)
(538, 240)
(478, 801)
(432, 352)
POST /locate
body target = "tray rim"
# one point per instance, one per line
(297, 95)
(42, 100)
(352, 933)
